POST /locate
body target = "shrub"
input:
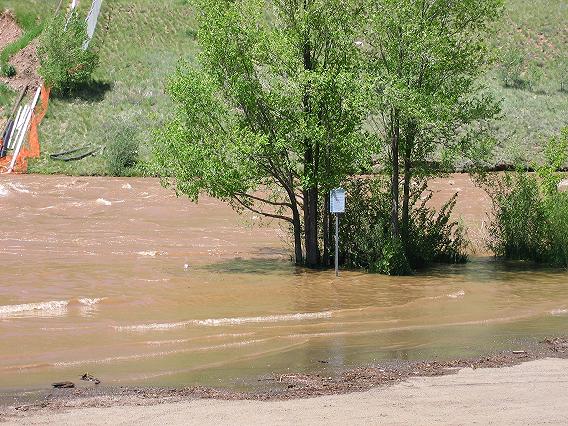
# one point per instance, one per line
(519, 229)
(531, 216)
(7, 70)
(366, 240)
(65, 65)
(511, 68)
(121, 149)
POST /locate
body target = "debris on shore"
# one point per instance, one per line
(63, 385)
(89, 378)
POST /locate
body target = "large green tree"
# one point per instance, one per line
(427, 58)
(270, 118)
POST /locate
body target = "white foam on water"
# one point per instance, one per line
(4, 191)
(214, 336)
(162, 354)
(52, 306)
(457, 295)
(557, 312)
(103, 202)
(151, 253)
(217, 322)
(91, 301)
(126, 186)
(269, 318)
(19, 188)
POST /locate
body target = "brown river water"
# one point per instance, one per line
(121, 279)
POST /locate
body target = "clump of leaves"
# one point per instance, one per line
(121, 148)
(65, 65)
(7, 70)
(366, 241)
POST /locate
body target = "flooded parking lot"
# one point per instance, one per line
(121, 279)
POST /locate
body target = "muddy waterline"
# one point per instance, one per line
(118, 278)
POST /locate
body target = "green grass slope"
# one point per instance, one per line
(537, 30)
(140, 42)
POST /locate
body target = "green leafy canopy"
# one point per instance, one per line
(242, 121)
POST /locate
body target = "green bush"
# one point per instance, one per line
(511, 68)
(7, 70)
(366, 241)
(65, 65)
(531, 216)
(121, 149)
(519, 230)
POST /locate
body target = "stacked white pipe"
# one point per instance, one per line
(25, 118)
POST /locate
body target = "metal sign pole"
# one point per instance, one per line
(336, 206)
(336, 244)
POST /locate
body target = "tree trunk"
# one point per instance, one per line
(326, 232)
(395, 229)
(406, 192)
(312, 258)
(297, 224)
(311, 227)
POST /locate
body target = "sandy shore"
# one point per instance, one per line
(529, 393)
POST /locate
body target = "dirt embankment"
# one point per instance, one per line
(26, 61)
(9, 29)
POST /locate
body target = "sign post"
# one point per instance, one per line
(337, 206)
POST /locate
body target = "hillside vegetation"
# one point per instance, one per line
(140, 42)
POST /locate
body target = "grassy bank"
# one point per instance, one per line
(537, 31)
(140, 42)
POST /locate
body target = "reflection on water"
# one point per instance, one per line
(146, 289)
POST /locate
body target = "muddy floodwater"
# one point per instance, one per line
(120, 279)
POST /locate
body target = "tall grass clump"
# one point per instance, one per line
(6, 95)
(365, 235)
(531, 214)
(65, 65)
(121, 145)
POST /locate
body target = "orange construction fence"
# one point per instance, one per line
(32, 150)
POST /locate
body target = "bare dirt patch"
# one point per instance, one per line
(9, 29)
(26, 61)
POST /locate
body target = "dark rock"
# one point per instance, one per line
(63, 385)
(88, 378)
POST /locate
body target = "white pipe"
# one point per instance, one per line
(24, 131)
(92, 18)
(19, 126)
(13, 129)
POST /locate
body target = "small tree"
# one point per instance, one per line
(427, 57)
(121, 148)
(65, 65)
(511, 66)
(271, 120)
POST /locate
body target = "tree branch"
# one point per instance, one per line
(274, 216)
